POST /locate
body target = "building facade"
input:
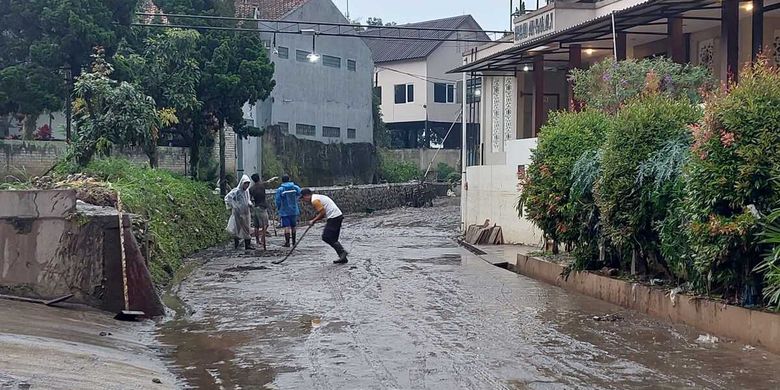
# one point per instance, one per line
(526, 78)
(420, 100)
(323, 84)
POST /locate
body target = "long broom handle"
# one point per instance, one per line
(296, 245)
(122, 250)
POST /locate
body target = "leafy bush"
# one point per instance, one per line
(453, 177)
(394, 171)
(736, 153)
(546, 197)
(184, 215)
(608, 85)
(630, 207)
(443, 171)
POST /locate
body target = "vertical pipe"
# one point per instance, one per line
(464, 159)
(729, 40)
(539, 112)
(676, 40)
(758, 28)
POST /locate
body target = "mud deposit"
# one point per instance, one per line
(414, 311)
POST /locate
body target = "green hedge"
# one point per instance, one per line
(184, 215)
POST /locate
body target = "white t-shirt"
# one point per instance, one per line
(321, 201)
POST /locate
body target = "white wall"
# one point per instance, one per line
(388, 75)
(492, 194)
(518, 151)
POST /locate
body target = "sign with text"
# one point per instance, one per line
(534, 27)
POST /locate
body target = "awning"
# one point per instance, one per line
(629, 20)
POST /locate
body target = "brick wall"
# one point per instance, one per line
(230, 151)
(24, 159)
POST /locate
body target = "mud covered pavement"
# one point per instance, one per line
(414, 311)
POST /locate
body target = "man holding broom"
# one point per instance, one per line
(327, 209)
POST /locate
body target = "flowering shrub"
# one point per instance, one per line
(546, 199)
(608, 85)
(729, 181)
(43, 133)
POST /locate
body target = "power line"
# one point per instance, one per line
(432, 80)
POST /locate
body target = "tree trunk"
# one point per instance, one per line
(222, 183)
(195, 153)
(28, 126)
(638, 263)
(154, 156)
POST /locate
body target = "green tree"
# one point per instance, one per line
(113, 113)
(41, 37)
(234, 69)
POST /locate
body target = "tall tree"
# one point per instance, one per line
(39, 38)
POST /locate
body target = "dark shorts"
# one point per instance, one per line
(289, 221)
(259, 217)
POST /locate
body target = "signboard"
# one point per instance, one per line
(534, 27)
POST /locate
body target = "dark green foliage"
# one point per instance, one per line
(629, 207)
(395, 171)
(546, 198)
(444, 171)
(184, 215)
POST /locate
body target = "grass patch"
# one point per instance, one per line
(184, 215)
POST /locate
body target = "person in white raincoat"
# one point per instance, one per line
(239, 202)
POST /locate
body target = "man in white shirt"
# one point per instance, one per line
(327, 209)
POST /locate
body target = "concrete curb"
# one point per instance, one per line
(752, 327)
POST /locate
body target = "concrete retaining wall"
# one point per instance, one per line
(747, 326)
(50, 248)
(24, 159)
(423, 157)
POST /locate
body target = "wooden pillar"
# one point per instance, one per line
(620, 46)
(729, 40)
(575, 62)
(540, 116)
(676, 40)
(758, 29)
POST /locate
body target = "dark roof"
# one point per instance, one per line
(387, 50)
(268, 9)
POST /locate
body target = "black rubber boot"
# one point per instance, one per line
(341, 252)
(286, 240)
(248, 244)
(294, 240)
(235, 243)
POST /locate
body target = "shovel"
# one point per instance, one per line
(293, 248)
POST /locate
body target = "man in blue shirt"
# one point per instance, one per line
(287, 196)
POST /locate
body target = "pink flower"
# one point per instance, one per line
(727, 139)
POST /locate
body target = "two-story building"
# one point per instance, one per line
(526, 78)
(323, 83)
(420, 101)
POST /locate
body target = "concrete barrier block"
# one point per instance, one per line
(37, 204)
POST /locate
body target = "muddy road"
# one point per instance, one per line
(414, 311)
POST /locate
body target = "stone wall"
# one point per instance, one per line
(369, 198)
(25, 159)
(313, 163)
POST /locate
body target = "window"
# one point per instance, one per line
(284, 53)
(378, 93)
(331, 132)
(474, 90)
(284, 127)
(330, 61)
(352, 65)
(443, 93)
(351, 133)
(302, 56)
(404, 93)
(302, 129)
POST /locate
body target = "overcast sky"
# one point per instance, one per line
(491, 14)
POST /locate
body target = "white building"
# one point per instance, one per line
(323, 83)
(525, 79)
(411, 79)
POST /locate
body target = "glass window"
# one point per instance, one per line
(351, 133)
(474, 90)
(331, 132)
(404, 93)
(352, 65)
(302, 56)
(284, 53)
(443, 93)
(308, 130)
(330, 61)
(409, 93)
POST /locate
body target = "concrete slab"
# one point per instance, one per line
(37, 204)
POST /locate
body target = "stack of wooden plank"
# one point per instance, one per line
(484, 234)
